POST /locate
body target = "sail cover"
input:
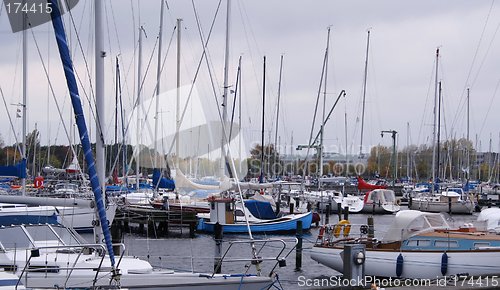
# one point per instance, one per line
(80, 122)
(18, 170)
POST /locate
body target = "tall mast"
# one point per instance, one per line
(320, 149)
(99, 93)
(178, 102)
(434, 123)
(438, 153)
(468, 150)
(364, 95)
(158, 79)
(261, 179)
(25, 93)
(139, 106)
(225, 95)
(239, 117)
(278, 111)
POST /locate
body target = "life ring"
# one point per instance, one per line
(38, 182)
(346, 225)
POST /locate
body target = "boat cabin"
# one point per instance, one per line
(222, 210)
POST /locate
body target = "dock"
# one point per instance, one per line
(160, 222)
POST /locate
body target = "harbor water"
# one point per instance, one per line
(178, 252)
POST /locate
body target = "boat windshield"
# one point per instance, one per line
(409, 223)
(389, 196)
(32, 236)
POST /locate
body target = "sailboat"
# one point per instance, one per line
(451, 200)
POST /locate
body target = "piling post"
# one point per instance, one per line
(218, 233)
(291, 208)
(116, 236)
(298, 249)
(339, 210)
(327, 214)
(346, 213)
(449, 205)
(371, 229)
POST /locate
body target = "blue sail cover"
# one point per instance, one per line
(260, 209)
(80, 122)
(162, 182)
(18, 170)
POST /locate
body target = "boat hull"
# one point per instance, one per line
(416, 264)
(460, 207)
(279, 225)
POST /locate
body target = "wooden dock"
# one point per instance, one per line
(160, 222)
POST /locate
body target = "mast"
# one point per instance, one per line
(438, 153)
(99, 94)
(468, 151)
(364, 95)
(225, 94)
(25, 98)
(408, 171)
(278, 111)
(239, 117)
(139, 107)
(261, 178)
(158, 79)
(320, 148)
(434, 124)
(178, 92)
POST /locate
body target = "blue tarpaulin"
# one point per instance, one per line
(18, 170)
(260, 209)
(162, 182)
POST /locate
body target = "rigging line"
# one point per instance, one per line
(136, 101)
(431, 81)
(489, 108)
(94, 115)
(462, 97)
(115, 27)
(209, 64)
(196, 76)
(325, 60)
(54, 97)
(10, 121)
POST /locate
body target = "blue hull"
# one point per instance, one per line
(278, 226)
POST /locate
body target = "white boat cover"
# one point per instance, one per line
(408, 223)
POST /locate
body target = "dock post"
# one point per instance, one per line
(346, 213)
(371, 229)
(291, 208)
(449, 205)
(218, 233)
(298, 249)
(339, 211)
(116, 236)
(192, 228)
(327, 214)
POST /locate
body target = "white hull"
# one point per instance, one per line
(81, 219)
(387, 208)
(416, 265)
(460, 207)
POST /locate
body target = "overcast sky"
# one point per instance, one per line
(401, 65)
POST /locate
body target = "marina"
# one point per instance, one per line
(234, 144)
